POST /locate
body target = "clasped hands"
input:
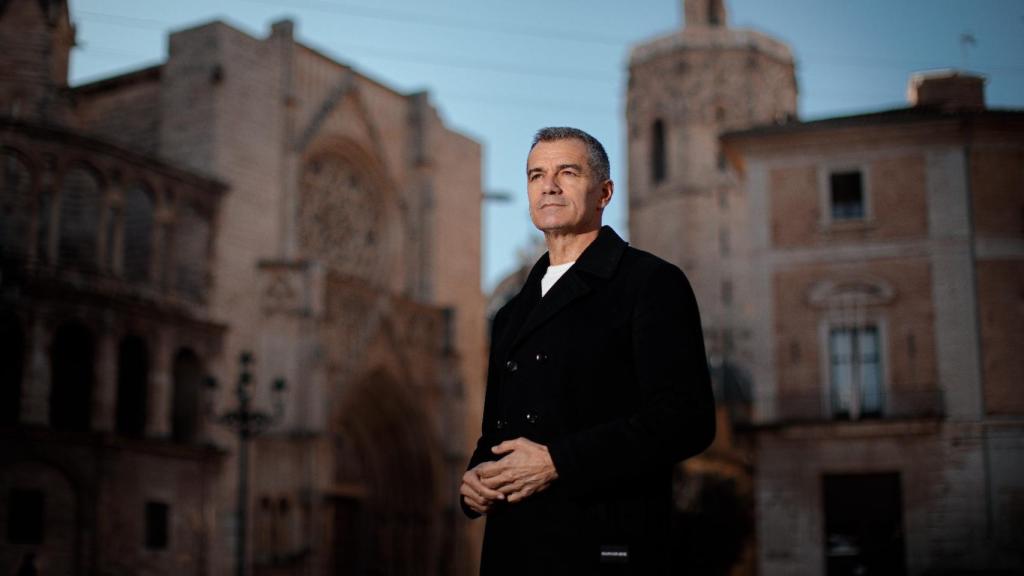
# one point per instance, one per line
(525, 468)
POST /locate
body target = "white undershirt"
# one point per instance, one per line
(552, 275)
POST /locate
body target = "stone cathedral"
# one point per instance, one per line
(246, 197)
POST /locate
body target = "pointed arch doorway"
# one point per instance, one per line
(385, 512)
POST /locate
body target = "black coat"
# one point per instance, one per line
(609, 371)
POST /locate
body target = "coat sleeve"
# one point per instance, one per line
(488, 434)
(675, 416)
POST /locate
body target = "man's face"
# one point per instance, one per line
(565, 195)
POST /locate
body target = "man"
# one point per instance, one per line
(597, 385)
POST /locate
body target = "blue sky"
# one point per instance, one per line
(498, 70)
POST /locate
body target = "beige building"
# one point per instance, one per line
(888, 270)
(246, 195)
(860, 281)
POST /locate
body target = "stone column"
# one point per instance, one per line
(35, 401)
(104, 404)
(158, 402)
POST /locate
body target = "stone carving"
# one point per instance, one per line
(341, 216)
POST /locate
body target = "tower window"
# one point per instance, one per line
(846, 192)
(714, 18)
(659, 166)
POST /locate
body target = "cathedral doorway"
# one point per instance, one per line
(384, 501)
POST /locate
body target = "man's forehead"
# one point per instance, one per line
(568, 150)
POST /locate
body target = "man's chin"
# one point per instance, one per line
(563, 229)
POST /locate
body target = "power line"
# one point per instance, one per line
(472, 64)
(129, 21)
(544, 33)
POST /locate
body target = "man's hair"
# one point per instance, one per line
(597, 158)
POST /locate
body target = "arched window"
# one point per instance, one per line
(12, 363)
(191, 237)
(15, 205)
(138, 229)
(132, 386)
(72, 369)
(80, 203)
(188, 376)
(715, 12)
(342, 215)
(659, 164)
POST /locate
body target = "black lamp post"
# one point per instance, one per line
(247, 422)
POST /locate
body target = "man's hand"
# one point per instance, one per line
(478, 496)
(525, 468)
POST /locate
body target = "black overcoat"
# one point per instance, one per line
(608, 370)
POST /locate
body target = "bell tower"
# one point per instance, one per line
(36, 37)
(685, 202)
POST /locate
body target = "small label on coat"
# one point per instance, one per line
(615, 554)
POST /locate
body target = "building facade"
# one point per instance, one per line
(687, 205)
(889, 271)
(247, 195)
(685, 89)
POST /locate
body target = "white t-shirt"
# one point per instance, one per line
(552, 275)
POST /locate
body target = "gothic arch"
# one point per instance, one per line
(82, 202)
(385, 505)
(185, 409)
(139, 207)
(132, 385)
(73, 376)
(16, 202)
(192, 232)
(348, 214)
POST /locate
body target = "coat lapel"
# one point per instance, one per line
(598, 262)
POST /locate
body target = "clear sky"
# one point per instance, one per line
(498, 70)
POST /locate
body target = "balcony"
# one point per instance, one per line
(896, 404)
(83, 215)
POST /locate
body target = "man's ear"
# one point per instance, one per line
(607, 191)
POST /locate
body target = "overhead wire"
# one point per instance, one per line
(615, 77)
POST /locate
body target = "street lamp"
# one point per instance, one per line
(247, 422)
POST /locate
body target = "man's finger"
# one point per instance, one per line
(499, 481)
(474, 501)
(489, 469)
(512, 487)
(505, 447)
(477, 506)
(476, 483)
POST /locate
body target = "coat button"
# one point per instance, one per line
(531, 417)
(541, 357)
(499, 424)
(511, 365)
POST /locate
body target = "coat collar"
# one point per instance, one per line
(598, 261)
(600, 258)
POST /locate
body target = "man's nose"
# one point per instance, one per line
(551, 185)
